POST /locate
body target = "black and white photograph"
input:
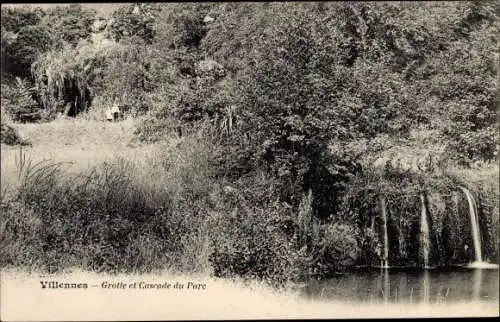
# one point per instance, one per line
(249, 160)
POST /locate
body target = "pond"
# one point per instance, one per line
(409, 286)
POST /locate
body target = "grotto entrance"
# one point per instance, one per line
(76, 98)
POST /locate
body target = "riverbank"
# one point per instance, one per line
(217, 299)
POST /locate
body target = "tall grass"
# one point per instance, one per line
(120, 215)
(168, 211)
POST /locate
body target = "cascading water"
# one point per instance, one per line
(385, 259)
(424, 233)
(476, 234)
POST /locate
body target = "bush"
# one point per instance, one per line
(14, 18)
(22, 39)
(248, 245)
(10, 136)
(341, 246)
(17, 98)
(247, 237)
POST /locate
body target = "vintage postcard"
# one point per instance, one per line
(256, 160)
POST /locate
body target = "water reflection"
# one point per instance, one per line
(387, 285)
(477, 277)
(411, 287)
(426, 287)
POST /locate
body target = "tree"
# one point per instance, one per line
(287, 109)
(69, 24)
(30, 42)
(23, 39)
(15, 18)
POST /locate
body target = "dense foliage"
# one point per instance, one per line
(135, 20)
(384, 67)
(293, 101)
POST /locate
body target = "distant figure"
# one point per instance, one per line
(466, 250)
(113, 113)
(208, 19)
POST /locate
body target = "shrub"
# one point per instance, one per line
(341, 246)
(248, 246)
(248, 237)
(23, 38)
(10, 136)
(17, 98)
(14, 18)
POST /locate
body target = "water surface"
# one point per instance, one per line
(224, 299)
(405, 286)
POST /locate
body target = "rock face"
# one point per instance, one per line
(414, 162)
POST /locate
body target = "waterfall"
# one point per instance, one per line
(385, 259)
(424, 233)
(476, 234)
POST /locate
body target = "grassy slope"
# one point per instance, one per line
(81, 143)
(141, 179)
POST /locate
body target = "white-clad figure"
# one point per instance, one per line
(208, 19)
(113, 112)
